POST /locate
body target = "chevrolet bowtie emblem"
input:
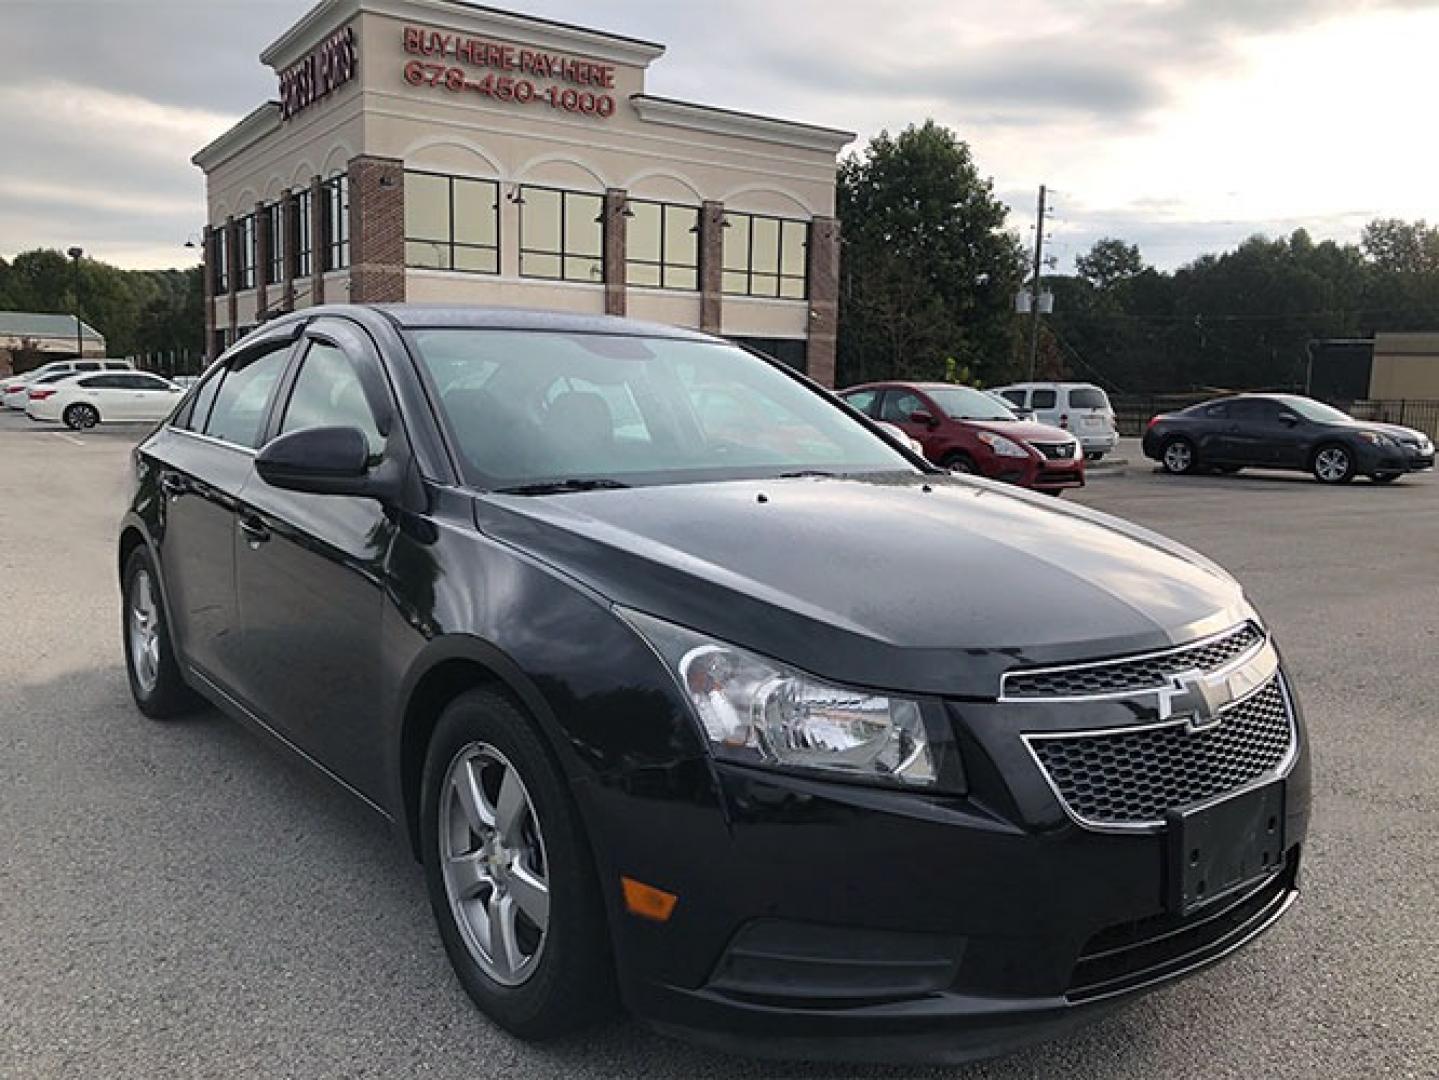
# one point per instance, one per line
(1202, 697)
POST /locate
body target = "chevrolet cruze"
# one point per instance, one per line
(773, 733)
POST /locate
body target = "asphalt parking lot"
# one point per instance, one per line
(182, 900)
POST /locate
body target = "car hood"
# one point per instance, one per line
(1028, 430)
(918, 583)
(1403, 433)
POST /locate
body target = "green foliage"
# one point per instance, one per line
(138, 311)
(1242, 319)
(928, 271)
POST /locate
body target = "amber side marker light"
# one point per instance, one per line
(648, 902)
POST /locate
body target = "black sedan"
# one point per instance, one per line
(1284, 431)
(792, 743)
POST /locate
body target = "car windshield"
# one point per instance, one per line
(965, 403)
(1316, 410)
(1088, 397)
(528, 409)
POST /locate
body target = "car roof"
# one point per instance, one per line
(437, 316)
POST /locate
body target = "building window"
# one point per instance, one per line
(765, 256)
(300, 234)
(335, 205)
(662, 248)
(272, 222)
(560, 235)
(220, 271)
(245, 241)
(452, 223)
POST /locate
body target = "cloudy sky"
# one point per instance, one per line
(1183, 125)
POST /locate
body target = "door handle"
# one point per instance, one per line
(254, 530)
(172, 485)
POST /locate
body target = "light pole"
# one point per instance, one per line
(75, 254)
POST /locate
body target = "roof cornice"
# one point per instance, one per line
(685, 114)
(260, 123)
(329, 15)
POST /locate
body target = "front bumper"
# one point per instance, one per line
(1041, 474)
(824, 920)
(1400, 460)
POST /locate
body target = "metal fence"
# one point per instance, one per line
(1420, 415)
(1131, 414)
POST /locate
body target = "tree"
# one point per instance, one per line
(928, 270)
(1110, 262)
(1403, 247)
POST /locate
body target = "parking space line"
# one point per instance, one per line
(68, 438)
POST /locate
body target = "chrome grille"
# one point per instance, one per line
(1133, 674)
(1056, 451)
(1131, 777)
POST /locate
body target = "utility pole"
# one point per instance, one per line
(1034, 285)
(75, 253)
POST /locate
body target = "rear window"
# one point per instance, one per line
(1088, 397)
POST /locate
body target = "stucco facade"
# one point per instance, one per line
(524, 125)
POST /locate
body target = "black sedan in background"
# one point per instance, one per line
(791, 742)
(1284, 431)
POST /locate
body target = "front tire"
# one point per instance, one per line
(81, 417)
(960, 463)
(509, 872)
(155, 681)
(1333, 464)
(1179, 457)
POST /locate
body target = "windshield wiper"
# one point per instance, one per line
(806, 472)
(560, 487)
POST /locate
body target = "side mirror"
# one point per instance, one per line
(923, 416)
(321, 461)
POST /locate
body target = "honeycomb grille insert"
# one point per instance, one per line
(1133, 777)
(1134, 674)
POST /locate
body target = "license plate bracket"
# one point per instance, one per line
(1218, 848)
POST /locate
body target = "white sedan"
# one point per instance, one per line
(83, 401)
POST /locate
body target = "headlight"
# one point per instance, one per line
(1002, 446)
(760, 712)
(1377, 438)
(1078, 450)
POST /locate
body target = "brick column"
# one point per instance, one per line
(317, 241)
(232, 271)
(711, 267)
(207, 284)
(615, 229)
(288, 213)
(377, 230)
(262, 262)
(823, 299)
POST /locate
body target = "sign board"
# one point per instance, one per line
(328, 66)
(457, 64)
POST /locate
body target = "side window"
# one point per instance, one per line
(1014, 397)
(899, 405)
(95, 382)
(1216, 412)
(117, 365)
(328, 393)
(88, 365)
(238, 414)
(197, 410)
(1044, 399)
(863, 400)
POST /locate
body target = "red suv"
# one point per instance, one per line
(970, 431)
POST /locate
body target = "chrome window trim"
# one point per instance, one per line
(1279, 771)
(211, 439)
(1134, 658)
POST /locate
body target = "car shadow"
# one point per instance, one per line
(1255, 477)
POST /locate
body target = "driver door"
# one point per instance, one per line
(310, 569)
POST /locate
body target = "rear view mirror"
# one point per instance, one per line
(321, 461)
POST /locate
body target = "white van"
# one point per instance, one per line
(1082, 409)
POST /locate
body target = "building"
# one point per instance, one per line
(1405, 367)
(440, 151)
(29, 339)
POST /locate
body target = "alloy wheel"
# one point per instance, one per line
(494, 865)
(144, 631)
(1332, 464)
(1178, 457)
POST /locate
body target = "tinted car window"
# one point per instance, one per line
(197, 410)
(238, 414)
(1014, 397)
(117, 366)
(1218, 411)
(863, 400)
(88, 365)
(1044, 399)
(328, 393)
(103, 382)
(1254, 410)
(899, 406)
(145, 382)
(1088, 398)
